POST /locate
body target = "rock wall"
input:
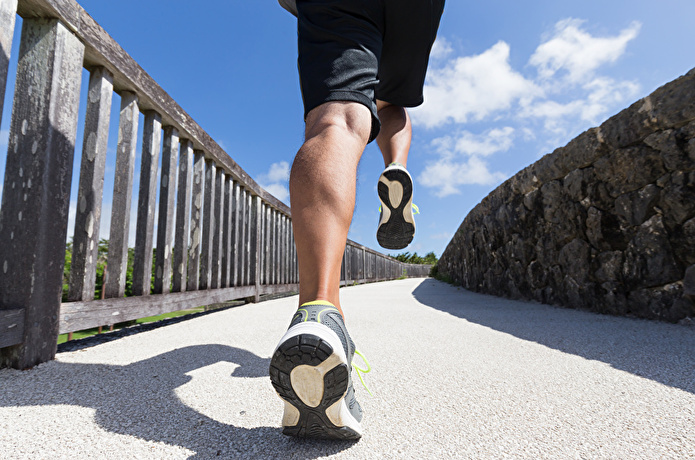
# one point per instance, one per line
(606, 223)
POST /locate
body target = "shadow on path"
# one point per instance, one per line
(139, 400)
(657, 351)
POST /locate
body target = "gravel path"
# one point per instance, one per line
(455, 374)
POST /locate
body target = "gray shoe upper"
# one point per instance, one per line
(329, 316)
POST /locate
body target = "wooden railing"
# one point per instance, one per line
(220, 236)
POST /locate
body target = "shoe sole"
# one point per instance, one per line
(310, 373)
(397, 226)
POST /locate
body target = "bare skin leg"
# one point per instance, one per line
(396, 133)
(322, 193)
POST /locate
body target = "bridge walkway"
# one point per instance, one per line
(455, 374)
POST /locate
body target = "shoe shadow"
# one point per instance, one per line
(661, 352)
(139, 400)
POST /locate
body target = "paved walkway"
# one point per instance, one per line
(456, 375)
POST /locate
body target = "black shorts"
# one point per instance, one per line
(363, 50)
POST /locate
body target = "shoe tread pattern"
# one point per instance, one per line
(395, 233)
(308, 349)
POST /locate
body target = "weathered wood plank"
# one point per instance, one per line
(242, 238)
(116, 268)
(36, 191)
(293, 253)
(11, 327)
(167, 203)
(255, 244)
(250, 236)
(142, 263)
(261, 242)
(8, 13)
(91, 186)
(76, 316)
(196, 221)
(364, 266)
(183, 215)
(267, 262)
(227, 231)
(218, 228)
(208, 225)
(236, 217)
(278, 248)
(285, 249)
(279, 289)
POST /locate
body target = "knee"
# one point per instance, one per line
(341, 118)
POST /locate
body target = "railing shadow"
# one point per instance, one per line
(661, 352)
(139, 400)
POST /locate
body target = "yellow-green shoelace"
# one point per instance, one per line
(361, 371)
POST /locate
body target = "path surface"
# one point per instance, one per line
(456, 375)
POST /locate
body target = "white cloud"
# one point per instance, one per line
(276, 180)
(446, 175)
(473, 88)
(598, 97)
(576, 53)
(279, 191)
(441, 49)
(460, 160)
(493, 141)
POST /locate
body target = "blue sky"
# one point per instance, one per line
(508, 82)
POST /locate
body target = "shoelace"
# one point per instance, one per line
(415, 208)
(361, 371)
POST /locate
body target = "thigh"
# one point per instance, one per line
(339, 47)
(411, 28)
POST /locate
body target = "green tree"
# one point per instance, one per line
(429, 259)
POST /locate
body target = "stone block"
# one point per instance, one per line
(575, 259)
(609, 267)
(649, 259)
(603, 231)
(677, 147)
(629, 169)
(661, 302)
(612, 298)
(677, 199)
(689, 281)
(583, 150)
(636, 207)
(683, 242)
(536, 275)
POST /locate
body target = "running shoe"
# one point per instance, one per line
(396, 224)
(311, 371)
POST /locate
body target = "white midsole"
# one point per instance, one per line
(308, 378)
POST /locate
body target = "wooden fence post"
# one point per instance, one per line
(256, 245)
(36, 194)
(91, 186)
(218, 230)
(193, 282)
(208, 226)
(183, 215)
(142, 263)
(227, 232)
(122, 194)
(167, 201)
